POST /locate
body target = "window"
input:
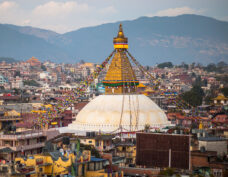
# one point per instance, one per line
(97, 166)
(83, 170)
(91, 166)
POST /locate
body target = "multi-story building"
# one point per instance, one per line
(3, 80)
(17, 83)
(23, 143)
(17, 144)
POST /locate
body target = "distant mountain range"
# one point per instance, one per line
(184, 38)
(8, 60)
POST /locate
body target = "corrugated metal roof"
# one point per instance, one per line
(94, 159)
(211, 139)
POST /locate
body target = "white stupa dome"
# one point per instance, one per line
(107, 113)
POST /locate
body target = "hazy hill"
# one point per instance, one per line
(8, 60)
(185, 38)
(41, 33)
(22, 46)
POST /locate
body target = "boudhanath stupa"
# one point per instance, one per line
(120, 109)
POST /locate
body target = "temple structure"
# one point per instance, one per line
(120, 109)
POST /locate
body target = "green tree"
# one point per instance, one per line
(193, 65)
(213, 68)
(198, 81)
(43, 67)
(168, 172)
(147, 68)
(31, 83)
(194, 97)
(184, 65)
(147, 127)
(165, 64)
(221, 64)
(225, 91)
(193, 74)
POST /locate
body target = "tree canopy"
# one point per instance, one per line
(194, 97)
(165, 64)
(215, 68)
(43, 67)
(225, 91)
(31, 83)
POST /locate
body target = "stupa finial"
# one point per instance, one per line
(120, 33)
(120, 42)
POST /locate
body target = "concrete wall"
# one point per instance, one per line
(199, 161)
(219, 146)
(226, 134)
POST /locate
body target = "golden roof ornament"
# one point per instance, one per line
(120, 42)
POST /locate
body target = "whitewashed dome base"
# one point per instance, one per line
(103, 114)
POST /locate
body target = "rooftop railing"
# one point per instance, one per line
(24, 135)
(24, 147)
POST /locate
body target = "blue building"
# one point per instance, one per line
(3, 79)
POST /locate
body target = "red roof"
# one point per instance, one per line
(221, 118)
(9, 97)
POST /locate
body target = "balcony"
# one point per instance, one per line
(10, 118)
(104, 148)
(24, 135)
(125, 154)
(31, 146)
(24, 147)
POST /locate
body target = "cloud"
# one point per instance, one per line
(60, 16)
(177, 11)
(108, 10)
(53, 8)
(6, 5)
(9, 11)
(54, 15)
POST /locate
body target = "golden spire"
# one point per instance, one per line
(120, 77)
(120, 41)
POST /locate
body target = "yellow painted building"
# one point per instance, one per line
(88, 141)
(54, 164)
(9, 117)
(128, 151)
(100, 142)
(12, 113)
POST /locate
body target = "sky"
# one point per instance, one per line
(67, 15)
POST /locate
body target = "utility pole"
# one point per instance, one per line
(170, 156)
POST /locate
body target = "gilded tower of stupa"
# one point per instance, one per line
(120, 77)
